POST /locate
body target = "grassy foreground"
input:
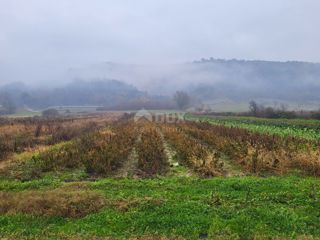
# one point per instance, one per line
(173, 207)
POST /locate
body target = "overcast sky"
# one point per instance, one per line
(42, 36)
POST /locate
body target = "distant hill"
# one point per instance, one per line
(100, 92)
(208, 80)
(243, 80)
(211, 79)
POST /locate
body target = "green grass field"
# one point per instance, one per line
(187, 207)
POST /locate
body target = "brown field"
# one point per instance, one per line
(114, 144)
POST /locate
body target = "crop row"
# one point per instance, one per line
(99, 152)
(21, 135)
(191, 153)
(152, 158)
(198, 145)
(258, 152)
(287, 128)
(106, 151)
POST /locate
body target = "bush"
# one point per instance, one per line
(152, 158)
(50, 113)
(106, 151)
(257, 110)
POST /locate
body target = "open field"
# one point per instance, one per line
(106, 176)
(63, 110)
(167, 207)
(302, 128)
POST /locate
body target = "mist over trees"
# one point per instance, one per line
(210, 79)
(257, 110)
(100, 92)
(50, 113)
(182, 99)
(152, 86)
(244, 80)
(7, 104)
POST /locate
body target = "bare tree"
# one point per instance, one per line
(182, 99)
(254, 108)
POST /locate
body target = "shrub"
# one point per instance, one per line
(50, 113)
(192, 153)
(152, 158)
(106, 151)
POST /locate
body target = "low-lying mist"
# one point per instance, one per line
(113, 85)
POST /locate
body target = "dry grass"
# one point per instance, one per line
(192, 153)
(259, 153)
(152, 159)
(18, 135)
(69, 202)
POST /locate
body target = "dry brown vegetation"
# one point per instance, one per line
(104, 152)
(259, 152)
(152, 158)
(192, 153)
(70, 203)
(100, 152)
(102, 146)
(18, 135)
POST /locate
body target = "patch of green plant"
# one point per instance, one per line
(16, 185)
(238, 207)
(282, 127)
